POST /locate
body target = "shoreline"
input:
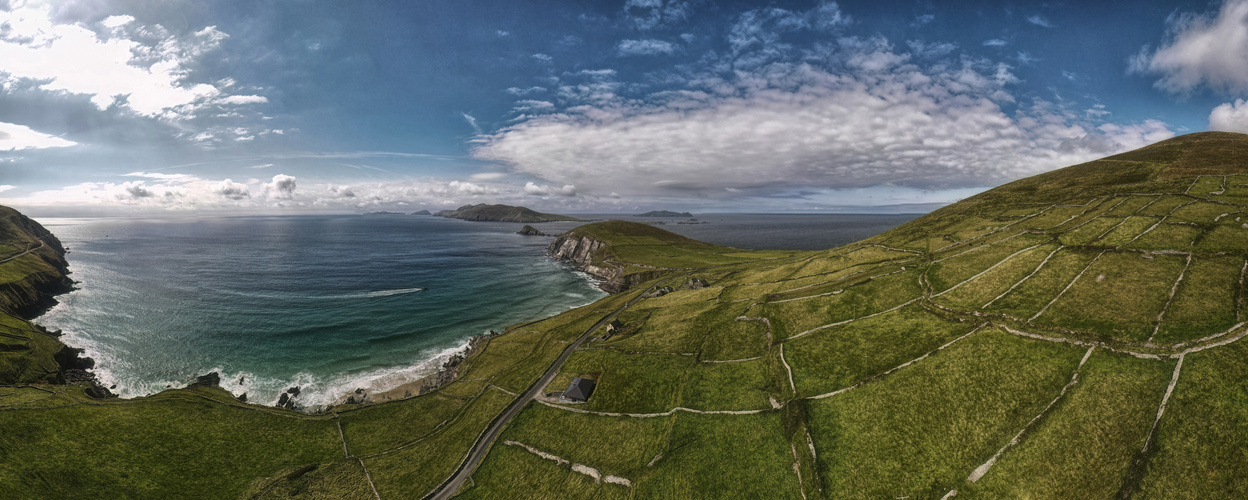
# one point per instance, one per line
(292, 393)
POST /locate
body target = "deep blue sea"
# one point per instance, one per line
(334, 303)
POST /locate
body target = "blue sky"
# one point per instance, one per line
(153, 107)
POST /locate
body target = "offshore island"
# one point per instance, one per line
(1078, 333)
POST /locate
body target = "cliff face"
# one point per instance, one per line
(581, 250)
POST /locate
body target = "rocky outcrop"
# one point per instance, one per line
(528, 230)
(421, 212)
(588, 255)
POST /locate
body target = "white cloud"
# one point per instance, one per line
(117, 21)
(644, 47)
(471, 188)
(519, 92)
(1230, 117)
(487, 176)
(995, 42)
(242, 99)
(1201, 50)
(6, 187)
(232, 190)
(472, 121)
(538, 190)
(502, 33)
(1039, 20)
(874, 118)
(142, 68)
(14, 136)
(282, 186)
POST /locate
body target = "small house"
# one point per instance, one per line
(614, 326)
(579, 390)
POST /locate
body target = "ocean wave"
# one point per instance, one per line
(342, 296)
(379, 293)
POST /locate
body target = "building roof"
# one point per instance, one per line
(580, 389)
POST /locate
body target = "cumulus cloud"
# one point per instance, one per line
(6, 187)
(1230, 117)
(72, 58)
(538, 190)
(282, 186)
(14, 136)
(232, 190)
(865, 115)
(1201, 50)
(644, 47)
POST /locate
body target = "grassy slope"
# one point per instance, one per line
(912, 327)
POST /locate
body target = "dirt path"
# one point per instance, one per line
(41, 245)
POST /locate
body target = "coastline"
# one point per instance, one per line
(427, 372)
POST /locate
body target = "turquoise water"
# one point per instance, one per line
(326, 303)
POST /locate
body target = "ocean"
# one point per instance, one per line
(332, 304)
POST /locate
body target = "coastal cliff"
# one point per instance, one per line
(592, 249)
(34, 267)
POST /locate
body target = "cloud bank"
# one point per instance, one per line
(774, 118)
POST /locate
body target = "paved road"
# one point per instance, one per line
(23, 253)
(483, 443)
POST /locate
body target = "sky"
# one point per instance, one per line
(151, 107)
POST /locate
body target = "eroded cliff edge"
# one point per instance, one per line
(592, 250)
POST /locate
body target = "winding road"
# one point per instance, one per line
(41, 245)
(482, 446)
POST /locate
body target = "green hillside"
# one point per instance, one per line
(1076, 334)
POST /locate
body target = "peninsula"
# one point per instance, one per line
(664, 213)
(502, 213)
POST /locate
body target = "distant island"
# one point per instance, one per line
(664, 213)
(501, 213)
(383, 212)
(421, 212)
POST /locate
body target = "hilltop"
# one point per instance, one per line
(501, 213)
(1076, 334)
(664, 213)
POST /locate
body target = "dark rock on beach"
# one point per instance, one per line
(210, 380)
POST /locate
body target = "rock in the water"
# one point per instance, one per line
(242, 398)
(209, 380)
(293, 391)
(284, 400)
(528, 230)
